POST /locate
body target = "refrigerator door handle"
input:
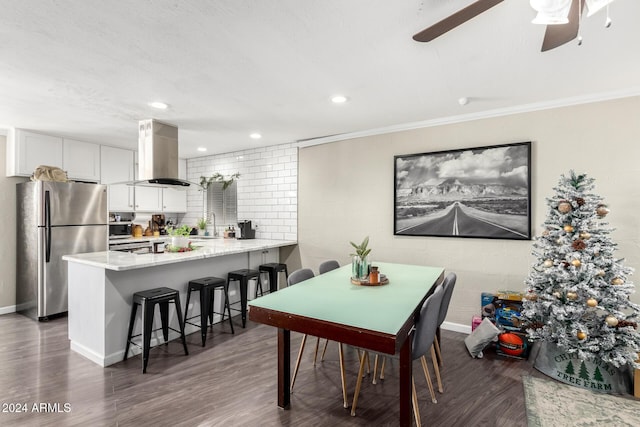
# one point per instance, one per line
(47, 224)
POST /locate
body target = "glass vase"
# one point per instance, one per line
(360, 267)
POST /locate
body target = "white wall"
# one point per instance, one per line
(346, 192)
(8, 243)
(267, 188)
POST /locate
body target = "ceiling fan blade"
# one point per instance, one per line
(557, 35)
(452, 21)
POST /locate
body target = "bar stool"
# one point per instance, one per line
(243, 276)
(272, 269)
(148, 300)
(207, 286)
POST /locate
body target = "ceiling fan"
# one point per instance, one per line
(561, 16)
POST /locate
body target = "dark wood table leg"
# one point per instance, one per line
(284, 368)
(405, 382)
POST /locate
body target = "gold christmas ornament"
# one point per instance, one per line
(617, 281)
(572, 296)
(600, 273)
(592, 302)
(585, 235)
(611, 321)
(602, 211)
(548, 263)
(568, 228)
(559, 240)
(556, 294)
(576, 263)
(564, 207)
(581, 335)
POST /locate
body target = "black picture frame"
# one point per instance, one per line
(480, 192)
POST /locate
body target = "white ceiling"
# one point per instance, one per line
(227, 68)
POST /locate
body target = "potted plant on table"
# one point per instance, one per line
(360, 260)
(179, 236)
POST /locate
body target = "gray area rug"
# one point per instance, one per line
(551, 403)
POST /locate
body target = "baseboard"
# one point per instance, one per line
(8, 309)
(456, 327)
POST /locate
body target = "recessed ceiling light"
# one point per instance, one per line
(339, 99)
(159, 105)
(202, 149)
(255, 135)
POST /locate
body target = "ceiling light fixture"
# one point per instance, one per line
(159, 105)
(202, 149)
(463, 101)
(339, 99)
(596, 5)
(551, 12)
(255, 135)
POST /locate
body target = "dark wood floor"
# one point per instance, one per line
(232, 382)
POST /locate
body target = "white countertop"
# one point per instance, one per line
(206, 248)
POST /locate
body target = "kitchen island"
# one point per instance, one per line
(102, 284)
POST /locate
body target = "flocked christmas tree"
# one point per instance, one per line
(577, 292)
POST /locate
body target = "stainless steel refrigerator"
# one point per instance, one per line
(54, 219)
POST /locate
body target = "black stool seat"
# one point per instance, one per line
(243, 276)
(148, 300)
(207, 286)
(272, 269)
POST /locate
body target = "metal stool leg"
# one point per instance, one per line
(164, 317)
(147, 326)
(134, 309)
(181, 323)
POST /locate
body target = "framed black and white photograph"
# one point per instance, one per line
(482, 192)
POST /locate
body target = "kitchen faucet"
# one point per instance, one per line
(215, 231)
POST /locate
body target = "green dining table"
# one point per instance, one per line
(379, 318)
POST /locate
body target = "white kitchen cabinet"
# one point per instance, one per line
(81, 160)
(116, 166)
(27, 150)
(148, 199)
(174, 200)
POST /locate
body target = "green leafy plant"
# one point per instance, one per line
(202, 223)
(218, 177)
(361, 250)
(183, 230)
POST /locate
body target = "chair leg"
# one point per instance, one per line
(425, 369)
(295, 370)
(436, 369)
(164, 318)
(414, 397)
(358, 384)
(227, 306)
(181, 323)
(204, 314)
(437, 344)
(134, 308)
(345, 402)
(375, 369)
(384, 362)
(324, 350)
(315, 356)
(147, 326)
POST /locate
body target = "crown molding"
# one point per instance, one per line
(499, 112)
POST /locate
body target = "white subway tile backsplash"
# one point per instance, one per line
(267, 188)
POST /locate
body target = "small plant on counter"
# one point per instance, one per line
(183, 231)
(202, 223)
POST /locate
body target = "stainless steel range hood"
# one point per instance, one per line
(158, 155)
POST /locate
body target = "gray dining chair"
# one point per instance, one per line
(327, 266)
(423, 336)
(448, 285)
(295, 278)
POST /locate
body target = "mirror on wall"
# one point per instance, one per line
(223, 203)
